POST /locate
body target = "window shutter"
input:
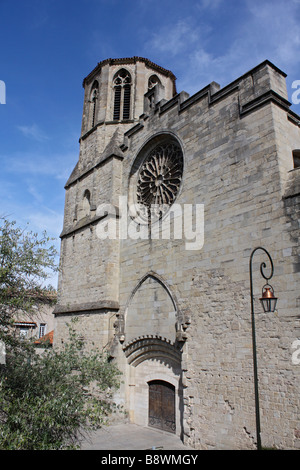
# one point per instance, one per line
(126, 106)
(117, 103)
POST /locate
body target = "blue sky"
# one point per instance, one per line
(49, 46)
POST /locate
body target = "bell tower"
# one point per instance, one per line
(116, 93)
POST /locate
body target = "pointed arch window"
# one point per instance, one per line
(122, 95)
(93, 102)
(153, 84)
(153, 81)
(84, 206)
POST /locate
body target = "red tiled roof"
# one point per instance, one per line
(45, 338)
(29, 324)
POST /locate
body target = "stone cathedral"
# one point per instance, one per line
(170, 196)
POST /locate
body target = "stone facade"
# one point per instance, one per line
(174, 307)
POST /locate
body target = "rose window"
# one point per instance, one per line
(159, 180)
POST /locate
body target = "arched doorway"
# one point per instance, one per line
(162, 405)
(154, 390)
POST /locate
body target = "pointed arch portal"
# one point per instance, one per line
(151, 310)
(153, 355)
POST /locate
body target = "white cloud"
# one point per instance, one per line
(50, 221)
(275, 27)
(259, 30)
(35, 193)
(210, 4)
(46, 219)
(33, 132)
(176, 39)
(31, 190)
(35, 219)
(58, 166)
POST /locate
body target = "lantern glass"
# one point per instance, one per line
(269, 305)
(268, 300)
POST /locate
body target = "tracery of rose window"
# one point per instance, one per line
(159, 180)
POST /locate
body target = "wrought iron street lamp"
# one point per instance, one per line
(268, 301)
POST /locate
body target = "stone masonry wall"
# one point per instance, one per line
(236, 144)
(231, 165)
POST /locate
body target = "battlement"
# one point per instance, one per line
(261, 85)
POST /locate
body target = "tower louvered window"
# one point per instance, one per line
(117, 105)
(126, 104)
(93, 103)
(122, 91)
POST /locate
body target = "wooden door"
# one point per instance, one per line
(162, 405)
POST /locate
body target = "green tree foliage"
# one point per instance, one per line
(26, 262)
(46, 400)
